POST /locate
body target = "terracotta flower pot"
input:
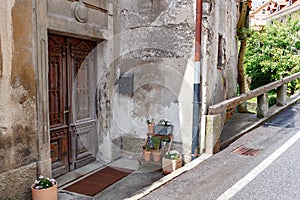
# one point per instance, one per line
(151, 128)
(146, 155)
(156, 156)
(44, 194)
(170, 165)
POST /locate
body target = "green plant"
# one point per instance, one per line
(269, 55)
(150, 121)
(272, 98)
(164, 122)
(173, 155)
(156, 143)
(43, 183)
(147, 146)
(297, 45)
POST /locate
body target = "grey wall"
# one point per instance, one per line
(219, 19)
(155, 42)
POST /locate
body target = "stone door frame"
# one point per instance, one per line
(46, 22)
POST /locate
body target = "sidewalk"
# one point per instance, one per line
(150, 178)
(242, 123)
(143, 175)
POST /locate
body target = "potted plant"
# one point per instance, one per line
(150, 123)
(44, 188)
(171, 161)
(147, 152)
(163, 127)
(156, 152)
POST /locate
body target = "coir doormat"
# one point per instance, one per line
(98, 181)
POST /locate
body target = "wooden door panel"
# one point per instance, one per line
(82, 92)
(59, 142)
(83, 102)
(57, 80)
(85, 143)
(71, 102)
(56, 91)
(83, 61)
(59, 151)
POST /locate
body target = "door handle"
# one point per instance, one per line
(66, 111)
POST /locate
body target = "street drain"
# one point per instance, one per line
(246, 151)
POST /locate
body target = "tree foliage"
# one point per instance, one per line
(272, 54)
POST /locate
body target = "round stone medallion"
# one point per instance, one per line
(80, 12)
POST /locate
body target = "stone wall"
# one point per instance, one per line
(219, 58)
(219, 68)
(18, 117)
(15, 184)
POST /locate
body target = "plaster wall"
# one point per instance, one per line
(24, 113)
(219, 20)
(18, 116)
(219, 60)
(154, 42)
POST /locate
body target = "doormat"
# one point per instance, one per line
(98, 181)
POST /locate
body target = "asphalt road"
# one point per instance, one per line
(272, 174)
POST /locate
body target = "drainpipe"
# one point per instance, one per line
(196, 98)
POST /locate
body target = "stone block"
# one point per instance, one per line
(262, 105)
(281, 95)
(16, 184)
(213, 133)
(132, 146)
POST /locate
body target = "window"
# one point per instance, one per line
(221, 52)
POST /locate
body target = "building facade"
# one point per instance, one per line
(288, 10)
(270, 11)
(78, 79)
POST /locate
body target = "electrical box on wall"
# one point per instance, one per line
(126, 84)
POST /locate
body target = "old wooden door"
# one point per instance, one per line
(71, 102)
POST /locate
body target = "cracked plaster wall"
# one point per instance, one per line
(18, 118)
(154, 41)
(219, 18)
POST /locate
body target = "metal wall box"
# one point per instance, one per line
(126, 83)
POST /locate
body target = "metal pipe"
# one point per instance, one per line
(198, 31)
(196, 98)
